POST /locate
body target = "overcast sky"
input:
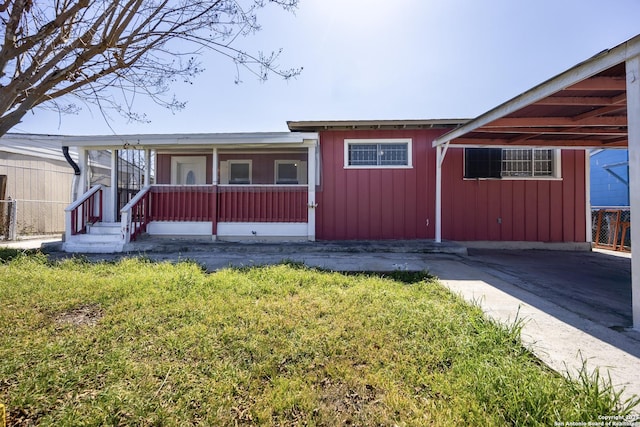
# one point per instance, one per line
(381, 59)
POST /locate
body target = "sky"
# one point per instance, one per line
(378, 59)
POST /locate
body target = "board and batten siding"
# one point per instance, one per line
(514, 210)
(376, 203)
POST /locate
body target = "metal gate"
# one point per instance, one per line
(130, 166)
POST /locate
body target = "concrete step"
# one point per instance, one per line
(94, 243)
(96, 238)
(104, 228)
(92, 248)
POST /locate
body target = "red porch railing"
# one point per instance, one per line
(86, 210)
(199, 203)
(136, 215)
(183, 203)
(269, 203)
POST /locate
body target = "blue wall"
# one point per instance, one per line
(610, 178)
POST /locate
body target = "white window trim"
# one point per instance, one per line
(176, 160)
(556, 175)
(240, 162)
(301, 170)
(408, 141)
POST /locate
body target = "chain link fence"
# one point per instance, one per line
(611, 228)
(30, 218)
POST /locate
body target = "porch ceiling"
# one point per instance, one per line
(584, 107)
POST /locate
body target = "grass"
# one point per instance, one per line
(141, 343)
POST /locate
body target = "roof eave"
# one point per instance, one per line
(320, 125)
(188, 140)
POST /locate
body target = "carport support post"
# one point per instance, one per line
(440, 153)
(633, 122)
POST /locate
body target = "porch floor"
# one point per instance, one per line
(175, 245)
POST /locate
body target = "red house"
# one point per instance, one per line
(340, 180)
(515, 176)
(378, 181)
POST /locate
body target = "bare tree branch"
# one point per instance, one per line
(85, 47)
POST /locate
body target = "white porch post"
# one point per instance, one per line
(147, 167)
(311, 181)
(214, 176)
(439, 159)
(214, 181)
(113, 196)
(83, 162)
(633, 121)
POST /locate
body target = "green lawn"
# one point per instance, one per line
(142, 343)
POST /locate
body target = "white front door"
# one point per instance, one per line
(188, 170)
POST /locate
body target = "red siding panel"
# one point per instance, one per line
(555, 212)
(506, 211)
(519, 211)
(494, 212)
(376, 203)
(543, 211)
(580, 197)
(568, 198)
(531, 210)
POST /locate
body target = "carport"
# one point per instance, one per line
(595, 104)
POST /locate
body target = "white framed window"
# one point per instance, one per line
(238, 172)
(512, 163)
(290, 172)
(377, 153)
(188, 170)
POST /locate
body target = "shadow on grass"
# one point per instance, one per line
(7, 254)
(403, 276)
(406, 277)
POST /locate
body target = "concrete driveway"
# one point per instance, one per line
(595, 285)
(576, 306)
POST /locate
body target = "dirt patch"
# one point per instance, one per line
(349, 405)
(85, 315)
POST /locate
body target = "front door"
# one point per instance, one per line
(188, 170)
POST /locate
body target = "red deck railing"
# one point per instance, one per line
(199, 203)
(86, 210)
(183, 203)
(281, 203)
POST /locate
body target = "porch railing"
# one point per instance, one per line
(86, 210)
(183, 203)
(268, 203)
(136, 215)
(199, 203)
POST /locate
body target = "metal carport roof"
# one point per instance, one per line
(595, 104)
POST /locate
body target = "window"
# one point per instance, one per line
(239, 171)
(290, 172)
(188, 170)
(377, 153)
(510, 163)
